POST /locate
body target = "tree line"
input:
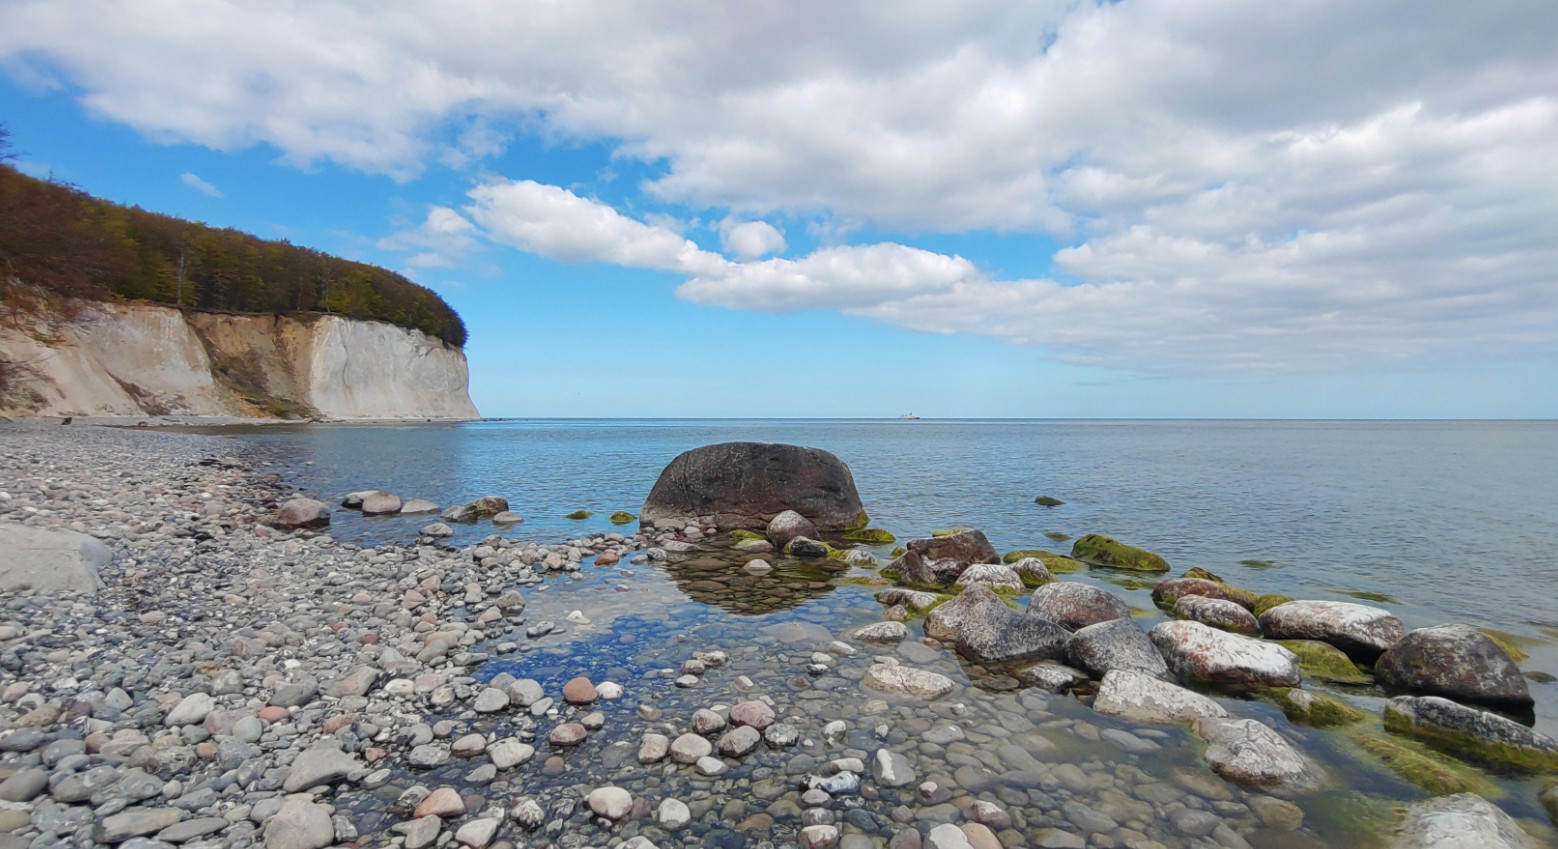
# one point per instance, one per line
(62, 239)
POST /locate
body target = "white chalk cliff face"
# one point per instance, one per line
(143, 360)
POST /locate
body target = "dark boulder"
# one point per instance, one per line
(1002, 635)
(939, 561)
(1114, 644)
(481, 508)
(747, 484)
(1076, 605)
(1455, 661)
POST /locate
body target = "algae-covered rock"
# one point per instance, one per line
(1421, 766)
(1462, 821)
(1507, 642)
(1203, 574)
(1108, 551)
(948, 533)
(1167, 593)
(1326, 662)
(1257, 564)
(1456, 661)
(1032, 572)
(897, 552)
(747, 484)
(1268, 601)
(1362, 631)
(741, 535)
(1470, 734)
(805, 548)
(1058, 564)
(1057, 536)
(871, 536)
(579, 514)
(1315, 709)
(1048, 501)
(623, 517)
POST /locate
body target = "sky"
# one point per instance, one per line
(1146, 208)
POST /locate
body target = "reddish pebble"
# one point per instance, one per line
(553, 767)
(336, 723)
(568, 734)
(579, 691)
(755, 714)
(274, 714)
(607, 558)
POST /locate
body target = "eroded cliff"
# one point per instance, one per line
(145, 360)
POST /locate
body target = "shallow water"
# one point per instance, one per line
(1437, 521)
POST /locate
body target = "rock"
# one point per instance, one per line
(1002, 635)
(688, 748)
(1075, 605)
(295, 693)
(380, 504)
(420, 832)
(51, 560)
(1316, 709)
(24, 785)
(672, 815)
(490, 700)
(444, 803)
(509, 517)
(1218, 613)
(353, 500)
(321, 764)
(1107, 551)
(1168, 593)
(481, 508)
(882, 632)
(191, 710)
(613, 803)
(579, 691)
(417, 506)
(1204, 655)
(938, 561)
(808, 549)
(907, 681)
(437, 530)
(1114, 644)
(947, 836)
(1032, 572)
(790, 525)
(891, 769)
(300, 824)
(134, 822)
(911, 599)
(1438, 773)
(947, 620)
(1455, 661)
(1325, 662)
(1462, 821)
(509, 752)
(528, 813)
(1473, 734)
(302, 513)
(1248, 753)
(188, 830)
(996, 576)
(478, 832)
(819, 837)
(1363, 632)
(753, 713)
(1139, 697)
(747, 484)
(354, 683)
(568, 734)
(1051, 677)
(738, 741)
(705, 721)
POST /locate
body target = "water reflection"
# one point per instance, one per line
(719, 578)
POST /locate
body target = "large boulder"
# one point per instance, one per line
(1114, 644)
(1218, 613)
(973, 604)
(481, 508)
(380, 504)
(1362, 631)
(747, 484)
(1473, 734)
(1075, 605)
(1462, 821)
(1108, 551)
(49, 560)
(939, 561)
(788, 526)
(1137, 697)
(1246, 752)
(1456, 661)
(1167, 593)
(996, 576)
(1002, 635)
(1205, 655)
(302, 513)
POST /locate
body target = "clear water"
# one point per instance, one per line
(1437, 521)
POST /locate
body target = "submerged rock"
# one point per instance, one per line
(1074, 605)
(1422, 766)
(947, 620)
(1246, 752)
(1114, 644)
(1032, 572)
(1455, 661)
(1471, 734)
(747, 484)
(1362, 631)
(1108, 551)
(1138, 697)
(1206, 655)
(380, 504)
(907, 681)
(938, 561)
(1462, 821)
(1317, 709)
(1051, 677)
(1002, 635)
(1326, 662)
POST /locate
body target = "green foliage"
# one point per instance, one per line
(66, 242)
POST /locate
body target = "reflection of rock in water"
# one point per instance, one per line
(717, 578)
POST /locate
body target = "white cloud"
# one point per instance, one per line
(750, 239)
(442, 239)
(200, 185)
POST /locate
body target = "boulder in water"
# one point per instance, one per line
(302, 513)
(482, 508)
(789, 525)
(939, 561)
(999, 634)
(996, 576)
(1462, 821)
(380, 504)
(946, 621)
(1249, 753)
(1455, 661)
(1218, 613)
(1108, 551)
(1472, 734)
(747, 484)
(1205, 655)
(1075, 605)
(1167, 593)
(1362, 631)
(1137, 697)
(1113, 644)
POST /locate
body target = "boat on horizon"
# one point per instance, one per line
(909, 417)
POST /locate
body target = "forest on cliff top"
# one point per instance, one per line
(63, 240)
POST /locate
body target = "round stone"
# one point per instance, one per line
(613, 803)
(579, 691)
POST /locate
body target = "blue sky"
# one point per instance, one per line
(1141, 209)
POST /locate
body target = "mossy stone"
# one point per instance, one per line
(1268, 601)
(860, 521)
(948, 533)
(1370, 595)
(579, 514)
(898, 552)
(1048, 501)
(1474, 749)
(1198, 572)
(1108, 551)
(740, 535)
(1310, 708)
(1423, 767)
(622, 517)
(1057, 536)
(1058, 564)
(1325, 662)
(1507, 643)
(871, 536)
(1257, 564)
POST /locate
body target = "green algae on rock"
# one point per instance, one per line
(1325, 662)
(579, 514)
(1057, 536)
(1421, 766)
(871, 536)
(1258, 564)
(1310, 708)
(1048, 501)
(741, 535)
(1203, 574)
(953, 532)
(1058, 564)
(622, 517)
(1507, 643)
(1268, 601)
(860, 521)
(1472, 735)
(1108, 551)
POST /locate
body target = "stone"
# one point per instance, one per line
(1316, 709)
(1204, 655)
(688, 748)
(183, 832)
(613, 803)
(907, 681)
(1168, 593)
(819, 837)
(1279, 814)
(705, 721)
(788, 526)
(51, 560)
(1138, 697)
(1074, 605)
(1462, 821)
(490, 700)
(1251, 754)
(738, 741)
(302, 513)
(579, 691)
(444, 803)
(1326, 662)
(882, 632)
(568, 734)
(1218, 613)
(478, 832)
(710, 766)
(300, 824)
(321, 764)
(653, 747)
(438, 530)
(191, 710)
(509, 752)
(946, 836)
(469, 746)
(481, 508)
(1457, 662)
(1472, 734)
(380, 504)
(673, 814)
(938, 561)
(1363, 632)
(806, 549)
(24, 785)
(947, 620)
(509, 517)
(1114, 644)
(753, 713)
(354, 683)
(135, 822)
(747, 484)
(891, 769)
(420, 832)
(996, 576)
(1051, 677)
(1032, 571)
(1107, 551)
(1002, 635)
(415, 506)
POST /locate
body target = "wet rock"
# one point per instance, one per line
(688, 748)
(1316, 709)
(1139, 697)
(420, 832)
(613, 803)
(819, 837)
(300, 824)
(1002, 635)
(673, 814)
(24, 785)
(1107, 551)
(788, 526)
(882, 632)
(1251, 754)
(1361, 631)
(1462, 821)
(1471, 733)
(939, 561)
(568, 734)
(747, 484)
(478, 832)
(302, 513)
(1075, 605)
(947, 620)
(806, 549)
(1455, 661)
(380, 504)
(1114, 644)
(781, 735)
(1205, 655)
(1218, 613)
(753, 713)
(891, 769)
(481, 508)
(996, 576)
(190, 710)
(705, 721)
(490, 700)
(1051, 677)
(135, 822)
(579, 691)
(947, 836)
(653, 748)
(444, 803)
(1325, 662)
(1032, 571)
(1168, 593)
(324, 763)
(509, 753)
(415, 506)
(738, 741)
(914, 600)
(907, 681)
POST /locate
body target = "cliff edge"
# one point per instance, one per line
(146, 360)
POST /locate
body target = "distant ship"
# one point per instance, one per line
(910, 416)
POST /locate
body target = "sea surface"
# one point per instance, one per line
(1436, 521)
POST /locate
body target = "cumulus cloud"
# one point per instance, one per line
(1237, 185)
(750, 239)
(442, 239)
(199, 185)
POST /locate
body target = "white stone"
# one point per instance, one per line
(1246, 752)
(1139, 697)
(613, 803)
(907, 681)
(672, 814)
(1462, 821)
(190, 710)
(947, 836)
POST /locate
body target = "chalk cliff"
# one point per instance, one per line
(146, 360)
